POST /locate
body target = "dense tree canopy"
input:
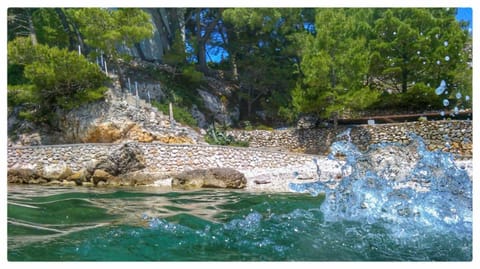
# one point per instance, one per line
(286, 61)
(334, 66)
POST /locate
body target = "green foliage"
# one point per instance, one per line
(263, 127)
(23, 94)
(262, 50)
(106, 28)
(347, 64)
(247, 125)
(180, 114)
(333, 68)
(49, 29)
(176, 56)
(15, 74)
(53, 78)
(417, 45)
(192, 76)
(418, 97)
(217, 137)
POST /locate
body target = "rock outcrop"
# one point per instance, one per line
(117, 167)
(118, 118)
(126, 158)
(210, 178)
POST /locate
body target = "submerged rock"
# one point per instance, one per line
(210, 178)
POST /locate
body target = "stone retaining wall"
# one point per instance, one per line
(159, 157)
(176, 158)
(436, 134)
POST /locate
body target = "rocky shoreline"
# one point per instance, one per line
(125, 166)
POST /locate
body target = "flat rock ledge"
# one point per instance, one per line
(226, 178)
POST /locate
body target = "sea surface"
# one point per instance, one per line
(48, 223)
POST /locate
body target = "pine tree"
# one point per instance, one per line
(334, 66)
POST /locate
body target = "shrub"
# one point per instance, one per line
(420, 97)
(51, 77)
(180, 114)
(217, 137)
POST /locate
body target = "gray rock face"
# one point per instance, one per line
(210, 178)
(218, 109)
(199, 116)
(127, 158)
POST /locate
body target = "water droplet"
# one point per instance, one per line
(394, 33)
(445, 43)
(458, 95)
(437, 36)
(421, 33)
(438, 62)
(455, 110)
(441, 88)
(442, 113)
(418, 52)
(424, 62)
(445, 102)
(447, 58)
(446, 92)
(467, 98)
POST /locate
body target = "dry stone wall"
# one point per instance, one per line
(159, 157)
(176, 158)
(436, 134)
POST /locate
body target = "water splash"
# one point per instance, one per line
(456, 110)
(441, 88)
(409, 187)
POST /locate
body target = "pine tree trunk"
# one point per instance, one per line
(233, 58)
(66, 28)
(31, 29)
(201, 52)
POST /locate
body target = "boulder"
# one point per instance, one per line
(58, 171)
(100, 175)
(127, 158)
(78, 177)
(210, 178)
(141, 178)
(21, 175)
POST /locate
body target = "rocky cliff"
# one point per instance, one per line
(119, 117)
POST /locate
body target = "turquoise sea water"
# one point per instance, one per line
(47, 223)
